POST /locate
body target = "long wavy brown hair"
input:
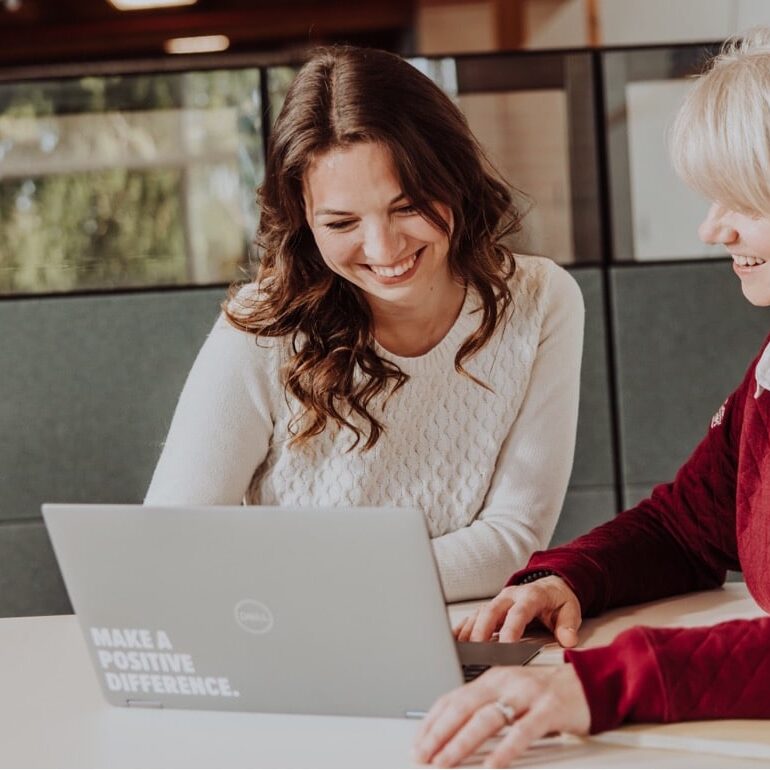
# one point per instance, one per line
(345, 95)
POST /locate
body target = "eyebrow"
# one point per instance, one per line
(333, 212)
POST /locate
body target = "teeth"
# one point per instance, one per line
(395, 270)
(742, 261)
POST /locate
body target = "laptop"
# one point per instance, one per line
(257, 608)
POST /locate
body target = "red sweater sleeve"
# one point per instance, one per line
(678, 674)
(682, 538)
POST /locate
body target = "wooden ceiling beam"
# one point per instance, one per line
(258, 25)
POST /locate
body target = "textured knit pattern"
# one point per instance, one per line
(488, 468)
(714, 516)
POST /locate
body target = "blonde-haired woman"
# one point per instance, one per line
(391, 350)
(714, 516)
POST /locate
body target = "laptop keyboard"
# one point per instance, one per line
(477, 657)
(471, 671)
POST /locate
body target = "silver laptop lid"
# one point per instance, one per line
(315, 611)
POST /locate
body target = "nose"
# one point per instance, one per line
(716, 227)
(383, 243)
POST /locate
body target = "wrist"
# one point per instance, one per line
(531, 577)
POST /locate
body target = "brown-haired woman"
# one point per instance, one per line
(391, 350)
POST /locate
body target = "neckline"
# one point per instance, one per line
(446, 347)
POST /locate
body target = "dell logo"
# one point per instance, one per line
(253, 616)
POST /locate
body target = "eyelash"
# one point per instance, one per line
(337, 225)
(344, 224)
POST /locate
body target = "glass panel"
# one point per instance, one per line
(665, 212)
(443, 72)
(128, 181)
(508, 125)
(278, 81)
(654, 215)
(525, 135)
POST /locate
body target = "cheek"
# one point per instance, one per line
(439, 235)
(335, 250)
(422, 230)
(757, 236)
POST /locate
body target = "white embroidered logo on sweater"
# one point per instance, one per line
(719, 416)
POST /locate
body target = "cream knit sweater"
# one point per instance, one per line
(488, 469)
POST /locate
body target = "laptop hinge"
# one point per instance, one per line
(145, 704)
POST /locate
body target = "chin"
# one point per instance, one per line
(758, 298)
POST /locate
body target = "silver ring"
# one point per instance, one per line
(506, 711)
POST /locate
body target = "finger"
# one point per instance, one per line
(462, 631)
(568, 620)
(523, 612)
(482, 725)
(442, 704)
(520, 736)
(465, 631)
(490, 617)
(430, 718)
(515, 622)
(446, 717)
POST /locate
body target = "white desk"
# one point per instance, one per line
(52, 712)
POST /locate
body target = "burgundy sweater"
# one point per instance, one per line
(715, 516)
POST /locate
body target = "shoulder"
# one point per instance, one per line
(229, 348)
(230, 343)
(543, 283)
(243, 300)
(238, 312)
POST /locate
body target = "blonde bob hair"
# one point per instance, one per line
(720, 140)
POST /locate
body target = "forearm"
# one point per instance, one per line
(533, 468)
(474, 562)
(221, 425)
(632, 559)
(675, 674)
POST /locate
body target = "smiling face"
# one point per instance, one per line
(747, 239)
(368, 232)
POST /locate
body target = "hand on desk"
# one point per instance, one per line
(549, 600)
(533, 701)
